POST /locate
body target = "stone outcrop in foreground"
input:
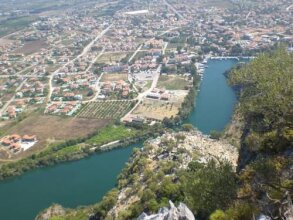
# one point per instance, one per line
(181, 212)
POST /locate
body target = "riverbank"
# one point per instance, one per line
(77, 149)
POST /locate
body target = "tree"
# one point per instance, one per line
(179, 48)
(215, 134)
(90, 93)
(160, 59)
(179, 138)
(236, 50)
(209, 187)
(187, 127)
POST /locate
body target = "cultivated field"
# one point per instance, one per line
(106, 109)
(172, 82)
(112, 77)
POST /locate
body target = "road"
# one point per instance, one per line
(24, 76)
(105, 146)
(133, 55)
(156, 77)
(94, 60)
(165, 47)
(247, 16)
(288, 8)
(3, 109)
(85, 50)
(140, 97)
(174, 10)
(98, 89)
(167, 31)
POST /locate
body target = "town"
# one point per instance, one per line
(132, 62)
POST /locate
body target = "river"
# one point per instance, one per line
(85, 181)
(215, 100)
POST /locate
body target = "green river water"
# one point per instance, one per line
(85, 181)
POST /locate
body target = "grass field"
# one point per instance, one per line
(172, 82)
(112, 77)
(10, 26)
(106, 135)
(106, 110)
(111, 133)
(111, 58)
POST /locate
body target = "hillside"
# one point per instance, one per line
(265, 88)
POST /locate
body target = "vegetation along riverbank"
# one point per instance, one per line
(78, 148)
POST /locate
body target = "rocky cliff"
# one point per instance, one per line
(181, 212)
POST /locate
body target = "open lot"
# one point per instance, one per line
(111, 58)
(32, 47)
(159, 109)
(53, 128)
(172, 82)
(112, 77)
(4, 41)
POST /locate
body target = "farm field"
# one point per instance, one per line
(106, 109)
(50, 129)
(172, 82)
(112, 77)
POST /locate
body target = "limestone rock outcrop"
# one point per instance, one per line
(182, 212)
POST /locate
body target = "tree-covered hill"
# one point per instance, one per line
(265, 88)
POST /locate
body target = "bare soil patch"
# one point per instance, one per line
(31, 47)
(4, 41)
(158, 109)
(53, 128)
(114, 77)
